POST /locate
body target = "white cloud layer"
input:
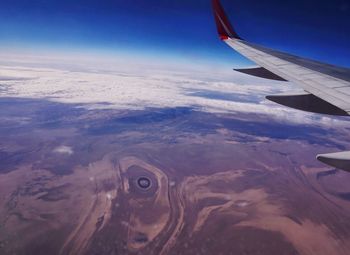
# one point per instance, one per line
(99, 84)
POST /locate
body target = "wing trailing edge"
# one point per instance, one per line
(260, 72)
(307, 102)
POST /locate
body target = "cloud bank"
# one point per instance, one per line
(114, 85)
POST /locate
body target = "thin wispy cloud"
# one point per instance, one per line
(64, 150)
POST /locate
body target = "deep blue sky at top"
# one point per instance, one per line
(318, 29)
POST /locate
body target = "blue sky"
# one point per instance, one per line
(178, 28)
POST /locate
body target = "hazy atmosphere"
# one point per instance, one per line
(125, 130)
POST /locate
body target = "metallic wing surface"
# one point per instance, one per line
(326, 87)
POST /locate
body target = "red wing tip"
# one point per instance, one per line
(224, 37)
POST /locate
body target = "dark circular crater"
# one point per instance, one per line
(144, 183)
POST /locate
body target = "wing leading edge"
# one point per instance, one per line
(327, 87)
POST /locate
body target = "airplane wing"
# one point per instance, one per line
(326, 87)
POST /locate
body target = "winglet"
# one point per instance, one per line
(223, 24)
